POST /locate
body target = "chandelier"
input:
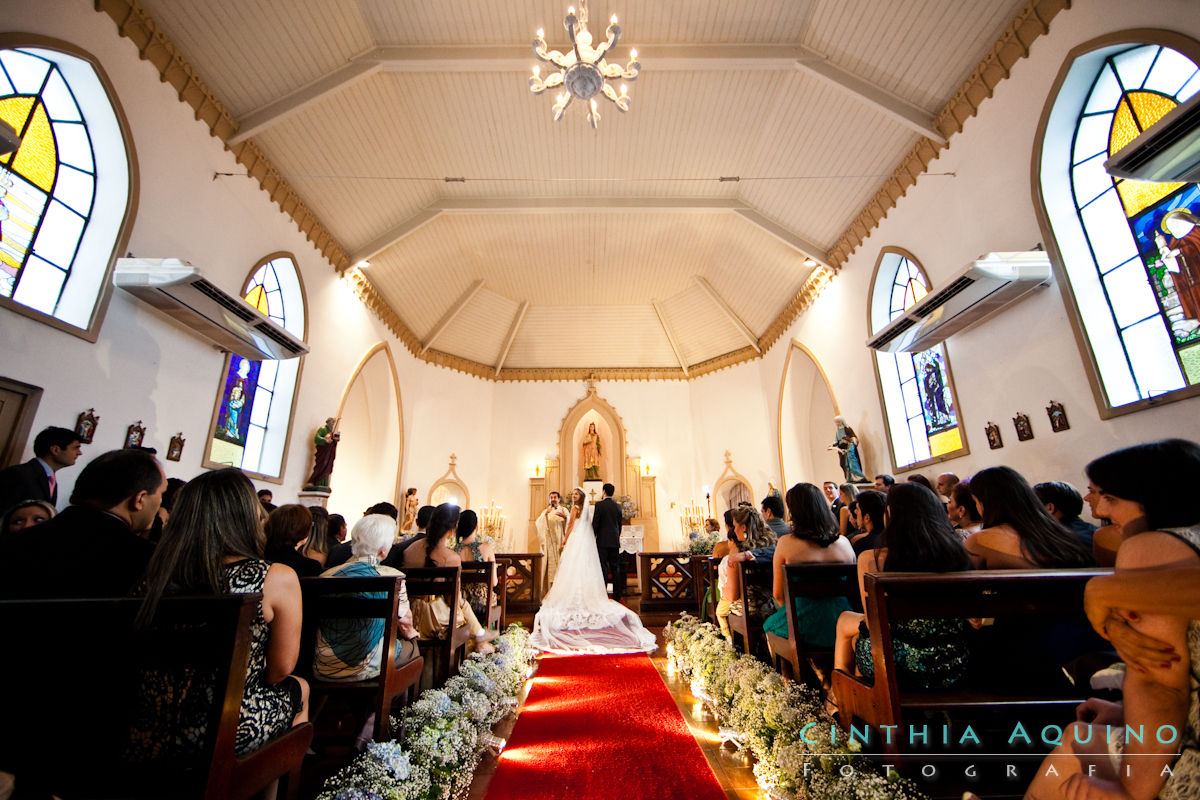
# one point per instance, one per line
(582, 71)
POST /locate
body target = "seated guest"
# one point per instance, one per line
(870, 510)
(1018, 532)
(213, 546)
(946, 483)
(432, 617)
(830, 488)
(164, 509)
(352, 649)
(729, 543)
(917, 477)
(470, 548)
(265, 496)
(884, 483)
(813, 540)
(847, 493)
(396, 557)
(756, 542)
(1108, 537)
(316, 546)
(341, 553)
(25, 514)
(286, 528)
(1149, 611)
(1063, 502)
(335, 532)
(962, 510)
(53, 449)
(772, 514)
(930, 653)
(91, 549)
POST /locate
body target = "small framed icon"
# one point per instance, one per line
(1024, 429)
(86, 424)
(135, 434)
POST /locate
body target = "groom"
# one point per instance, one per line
(606, 522)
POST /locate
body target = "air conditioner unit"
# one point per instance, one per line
(177, 289)
(1166, 152)
(983, 288)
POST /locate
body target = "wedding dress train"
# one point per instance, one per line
(576, 614)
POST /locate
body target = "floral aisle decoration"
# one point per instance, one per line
(775, 721)
(445, 731)
(629, 509)
(702, 544)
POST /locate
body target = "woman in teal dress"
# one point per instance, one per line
(814, 539)
(917, 537)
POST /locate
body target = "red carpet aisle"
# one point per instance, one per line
(601, 727)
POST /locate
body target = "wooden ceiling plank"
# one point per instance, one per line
(276, 111)
(729, 312)
(449, 316)
(512, 335)
(666, 326)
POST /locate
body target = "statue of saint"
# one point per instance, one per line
(846, 443)
(411, 504)
(591, 454)
(326, 441)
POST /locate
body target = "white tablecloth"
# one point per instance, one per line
(631, 538)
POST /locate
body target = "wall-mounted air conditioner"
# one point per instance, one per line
(178, 290)
(1167, 152)
(983, 288)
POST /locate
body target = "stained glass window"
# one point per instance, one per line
(918, 398)
(254, 411)
(1131, 249)
(64, 193)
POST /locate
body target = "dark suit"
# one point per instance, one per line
(80, 553)
(27, 481)
(606, 523)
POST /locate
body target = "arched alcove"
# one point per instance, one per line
(371, 450)
(450, 488)
(729, 489)
(592, 408)
(807, 407)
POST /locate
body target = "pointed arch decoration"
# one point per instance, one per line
(251, 425)
(449, 487)
(1126, 253)
(370, 432)
(824, 462)
(729, 488)
(916, 390)
(568, 444)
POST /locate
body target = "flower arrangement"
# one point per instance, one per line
(702, 544)
(629, 509)
(445, 731)
(761, 712)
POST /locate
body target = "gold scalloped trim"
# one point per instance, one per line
(1013, 45)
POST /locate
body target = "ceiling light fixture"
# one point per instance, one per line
(582, 71)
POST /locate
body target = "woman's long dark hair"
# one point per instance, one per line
(918, 535)
(1008, 499)
(318, 538)
(468, 522)
(872, 504)
(1156, 475)
(216, 515)
(811, 517)
(444, 520)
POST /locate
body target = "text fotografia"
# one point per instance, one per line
(968, 741)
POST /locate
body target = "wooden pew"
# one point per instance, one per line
(753, 573)
(667, 581)
(704, 569)
(78, 669)
(492, 575)
(1047, 595)
(446, 653)
(360, 598)
(523, 573)
(791, 657)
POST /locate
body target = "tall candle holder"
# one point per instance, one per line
(693, 518)
(492, 520)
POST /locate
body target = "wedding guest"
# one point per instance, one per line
(1108, 536)
(316, 546)
(470, 548)
(286, 528)
(962, 510)
(1063, 502)
(884, 483)
(53, 449)
(871, 510)
(26, 514)
(335, 532)
(758, 542)
(265, 496)
(830, 488)
(213, 546)
(946, 483)
(164, 509)
(847, 493)
(917, 477)
(772, 514)
(729, 544)
(395, 558)
(93, 544)
(814, 539)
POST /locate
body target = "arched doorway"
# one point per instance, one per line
(372, 428)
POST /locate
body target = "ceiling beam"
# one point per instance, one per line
(899, 109)
(662, 320)
(277, 111)
(793, 240)
(512, 335)
(410, 225)
(449, 316)
(516, 58)
(730, 313)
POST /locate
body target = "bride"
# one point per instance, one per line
(576, 615)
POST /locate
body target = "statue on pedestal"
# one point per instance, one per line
(591, 454)
(846, 443)
(326, 441)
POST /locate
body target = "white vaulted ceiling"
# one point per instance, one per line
(566, 249)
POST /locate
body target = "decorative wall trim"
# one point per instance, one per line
(1013, 45)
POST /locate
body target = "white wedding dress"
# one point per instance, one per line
(576, 615)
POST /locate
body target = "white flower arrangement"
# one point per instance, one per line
(769, 717)
(446, 729)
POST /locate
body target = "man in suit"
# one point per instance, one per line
(606, 523)
(53, 449)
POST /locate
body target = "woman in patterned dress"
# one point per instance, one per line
(214, 545)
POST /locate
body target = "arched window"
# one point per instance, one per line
(252, 421)
(1130, 251)
(916, 388)
(65, 192)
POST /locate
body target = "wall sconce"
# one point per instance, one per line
(646, 466)
(535, 469)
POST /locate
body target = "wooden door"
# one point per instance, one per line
(18, 402)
